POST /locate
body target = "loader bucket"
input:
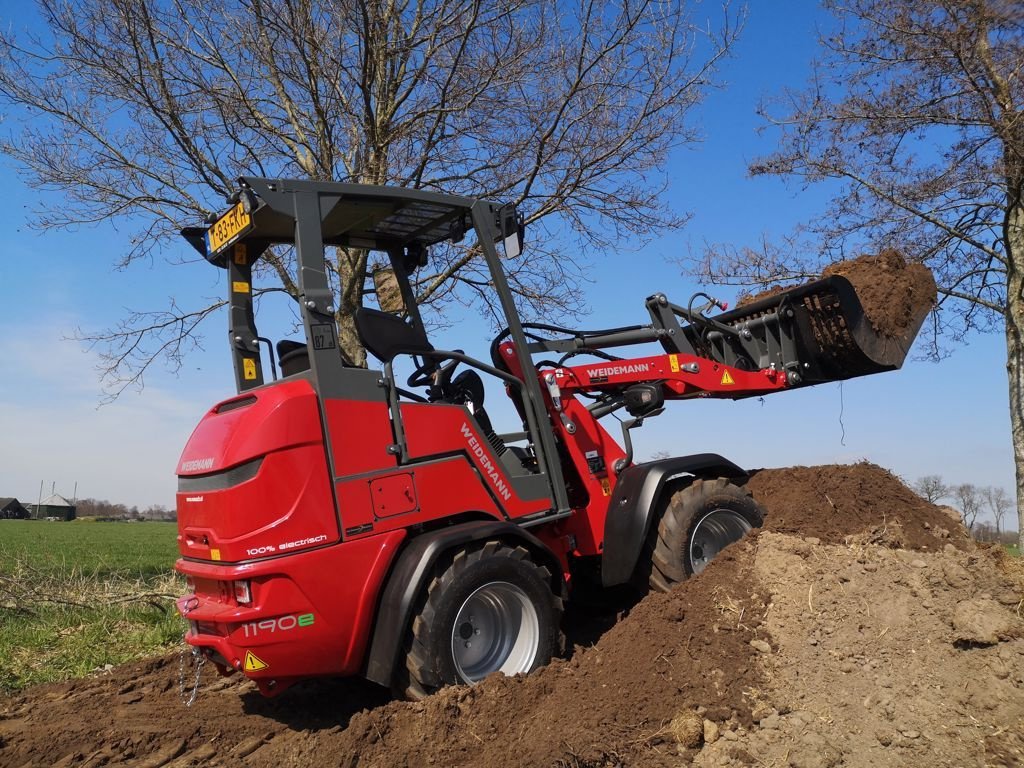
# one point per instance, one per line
(816, 333)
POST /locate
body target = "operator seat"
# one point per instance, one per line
(386, 335)
(292, 356)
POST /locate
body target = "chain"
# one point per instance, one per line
(198, 659)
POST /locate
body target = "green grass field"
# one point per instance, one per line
(101, 549)
(76, 596)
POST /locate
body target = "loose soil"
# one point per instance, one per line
(891, 291)
(859, 627)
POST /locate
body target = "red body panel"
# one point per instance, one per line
(285, 590)
(444, 430)
(286, 506)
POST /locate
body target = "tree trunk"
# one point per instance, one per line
(1015, 348)
(351, 268)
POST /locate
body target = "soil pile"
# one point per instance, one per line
(884, 657)
(859, 627)
(891, 291)
(840, 504)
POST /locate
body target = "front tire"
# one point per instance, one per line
(696, 524)
(490, 610)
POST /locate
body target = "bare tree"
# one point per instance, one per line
(567, 109)
(998, 503)
(931, 488)
(916, 115)
(968, 499)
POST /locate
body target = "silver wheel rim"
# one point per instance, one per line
(495, 630)
(715, 531)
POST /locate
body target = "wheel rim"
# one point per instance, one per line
(715, 531)
(495, 630)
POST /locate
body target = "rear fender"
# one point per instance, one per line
(412, 571)
(635, 500)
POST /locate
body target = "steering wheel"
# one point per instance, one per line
(435, 377)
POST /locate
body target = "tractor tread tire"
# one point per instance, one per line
(668, 547)
(421, 674)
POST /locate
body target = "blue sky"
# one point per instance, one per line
(948, 418)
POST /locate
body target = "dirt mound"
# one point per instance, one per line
(870, 667)
(891, 291)
(860, 627)
(841, 503)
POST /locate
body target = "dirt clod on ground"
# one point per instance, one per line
(891, 291)
(859, 627)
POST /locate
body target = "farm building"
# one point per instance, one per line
(54, 506)
(12, 509)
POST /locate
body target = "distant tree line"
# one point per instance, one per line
(973, 502)
(102, 509)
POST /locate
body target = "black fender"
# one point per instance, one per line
(413, 568)
(633, 505)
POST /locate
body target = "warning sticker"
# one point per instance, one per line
(673, 361)
(215, 554)
(254, 663)
(606, 487)
(248, 369)
(727, 378)
(241, 254)
(240, 286)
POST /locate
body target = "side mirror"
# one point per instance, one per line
(512, 229)
(416, 256)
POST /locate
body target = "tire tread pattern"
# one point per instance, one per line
(665, 549)
(420, 678)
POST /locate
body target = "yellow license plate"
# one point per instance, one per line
(228, 228)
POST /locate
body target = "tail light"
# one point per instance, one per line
(243, 595)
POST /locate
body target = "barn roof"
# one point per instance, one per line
(56, 500)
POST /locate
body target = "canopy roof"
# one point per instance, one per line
(356, 215)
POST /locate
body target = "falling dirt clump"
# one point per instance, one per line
(891, 291)
(842, 503)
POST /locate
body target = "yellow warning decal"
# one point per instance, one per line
(248, 369)
(215, 554)
(727, 378)
(254, 663)
(606, 487)
(673, 362)
(241, 254)
(240, 286)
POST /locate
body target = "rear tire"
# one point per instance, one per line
(490, 609)
(697, 523)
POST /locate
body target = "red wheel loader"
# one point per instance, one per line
(341, 520)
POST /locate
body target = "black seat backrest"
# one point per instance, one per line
(293, 357)
(385, 335)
